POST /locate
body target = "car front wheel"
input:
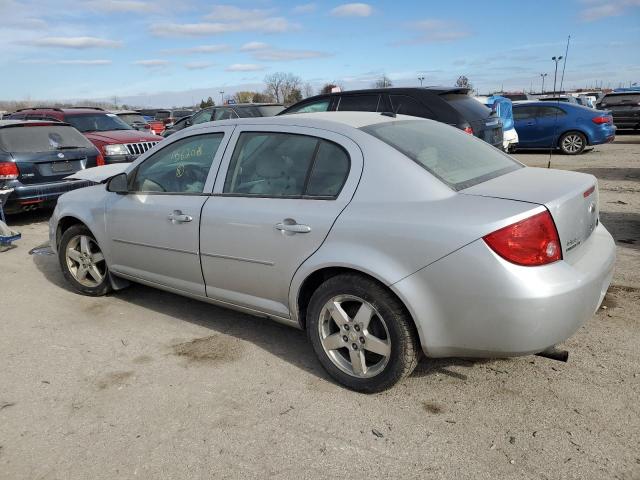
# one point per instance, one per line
(83, 263)
(362, 334)
(573, 143)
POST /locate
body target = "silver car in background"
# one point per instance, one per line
(383, 236)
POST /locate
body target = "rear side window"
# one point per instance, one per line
(456, 158)
(405, 105)
(550, 112)
(467, 106)
(319, 106)
(626, 99)
(359, 103)
(272, 164)
(41, 139)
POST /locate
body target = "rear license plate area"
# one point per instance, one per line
(61, 167)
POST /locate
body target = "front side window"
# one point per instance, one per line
(286, 165)
(524, 113)
(181, 167)
(359, 103)
(455, 158)
(319, 106)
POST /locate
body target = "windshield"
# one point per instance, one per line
(467, 106)
(456, 158)
(631, 98)
(41, 139)
(132, 118)
(97, 122)
(163, 114)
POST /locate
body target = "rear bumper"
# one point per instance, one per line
(604, 134)
(473, 303)
(25, 197)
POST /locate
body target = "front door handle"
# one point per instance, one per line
(290, 226)
(178, 217)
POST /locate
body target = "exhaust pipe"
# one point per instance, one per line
(554, 354)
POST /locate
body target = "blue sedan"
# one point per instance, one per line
(566, 126)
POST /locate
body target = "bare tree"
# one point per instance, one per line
(244, 97)
(307, 90)
(281, 84)
(464, 82)
(383, 82)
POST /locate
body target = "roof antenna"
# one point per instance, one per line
(555, 129)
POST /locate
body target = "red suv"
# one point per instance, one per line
(114, 139)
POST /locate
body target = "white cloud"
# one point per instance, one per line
(267, 25)
(605, 9)
(198, 65)
(252, 46)
(229, 13)
(74, 42)
(436, 31)
(352, 10)
(114, 6)
(244, 67)
(305, 8)
(283, 55)
(89, 63)
(197, 50)
(152, 63)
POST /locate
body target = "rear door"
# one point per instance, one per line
(278, 193)
(154, 229)
(548, 124)
(524, 118)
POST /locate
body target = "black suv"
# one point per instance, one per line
(453, 106)
(239, 110)
(624, 107)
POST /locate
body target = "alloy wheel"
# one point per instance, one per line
(572, 143)
(354, 336)
(85, 261)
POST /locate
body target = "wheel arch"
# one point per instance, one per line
(64, 224)
(570, 130)
(315, 278)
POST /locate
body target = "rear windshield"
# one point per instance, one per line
(162, 115)
(259, 111)
(98, 122)
(41, 139)
(132, 118)
(626, 99)
(469, 107)
(456, 158)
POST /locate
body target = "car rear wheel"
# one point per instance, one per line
(573, 143)
(83, 263)
(362, 334)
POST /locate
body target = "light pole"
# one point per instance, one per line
(555, 75)
(421, 78)
(543, 75)
(221, 97)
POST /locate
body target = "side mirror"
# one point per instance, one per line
(118, 184)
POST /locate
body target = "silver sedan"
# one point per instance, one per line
(383, 236)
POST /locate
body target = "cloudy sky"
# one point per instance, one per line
(165, 52)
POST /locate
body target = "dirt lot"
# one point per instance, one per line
(146, 384)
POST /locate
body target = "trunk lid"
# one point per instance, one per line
(570, 197)
(53, 166)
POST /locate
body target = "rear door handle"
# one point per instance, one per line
(289, 225)
(178, 217)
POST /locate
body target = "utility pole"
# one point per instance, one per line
(421, 78)
(555, 75)
(543, 75)
(221, 97)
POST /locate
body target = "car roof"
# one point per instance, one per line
(124, 112)
(27, 123)
(334, 121)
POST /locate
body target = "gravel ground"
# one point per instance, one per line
(146, 384)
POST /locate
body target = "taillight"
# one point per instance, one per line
(468, 130)
(530, 242)
(9, 171)
(100, 160)
(602, 119)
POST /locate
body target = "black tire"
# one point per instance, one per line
(572, 143)
(101, 288)
(402, 336)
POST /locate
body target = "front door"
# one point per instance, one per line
(154, 229)
(277, 196)
(524, 118)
